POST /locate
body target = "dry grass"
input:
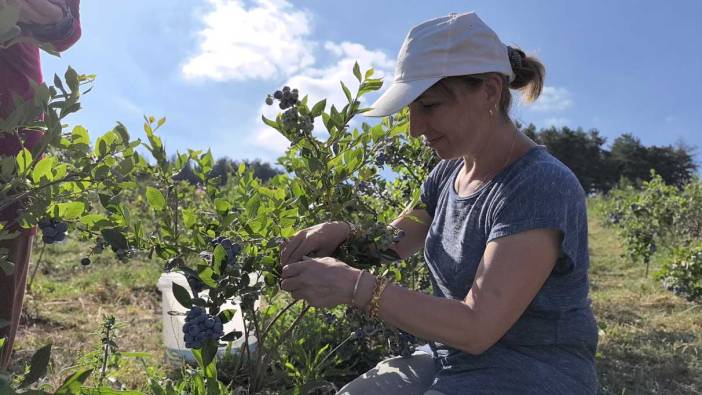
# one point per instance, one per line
(650, 340)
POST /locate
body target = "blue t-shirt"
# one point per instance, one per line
(557, 332)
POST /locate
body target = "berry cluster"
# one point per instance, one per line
(293, 121)
(287, 97)
(232, 249)
(200, 326)
(122, 253)
(53, 230)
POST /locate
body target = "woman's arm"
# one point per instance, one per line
(323, 239)
(51, 23)
(415, 224)
(39, 12)
(510, 274)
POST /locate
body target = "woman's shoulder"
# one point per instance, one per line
(443, 170)
(540, 170)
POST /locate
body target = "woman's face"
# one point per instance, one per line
(453, 118)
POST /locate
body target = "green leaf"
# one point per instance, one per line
(115, 238)
(357, 72)
(209, 351)
(79, 135)
(318, 108)
(24, 160)
(189, 218)
(93, 220)
(43, 169)
(72, 81)
(155, 198)
(347, 92)
(73, 384)
(222, 206)
(270, 123)
(38, 366)
(70, 210)
(182, 296)
(219, 259)
(231, 336)
(226, 315)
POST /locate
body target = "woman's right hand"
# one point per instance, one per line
(319, 240)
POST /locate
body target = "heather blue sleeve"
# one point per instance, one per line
(548, 197)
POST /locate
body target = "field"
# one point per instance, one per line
(650, 339)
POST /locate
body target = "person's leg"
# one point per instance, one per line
(12, 291)
(405, 376)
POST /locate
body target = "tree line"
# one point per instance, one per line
(599, 169)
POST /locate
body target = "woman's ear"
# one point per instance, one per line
(492, 89)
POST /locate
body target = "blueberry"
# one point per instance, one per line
(269, 100)
(278, 95)
(209, 323)
(61, 227)
(85, 261)
(60, 237)
(49, 231)
(286, 89)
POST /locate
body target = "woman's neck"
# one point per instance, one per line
(492, 157)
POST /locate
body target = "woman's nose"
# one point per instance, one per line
(416, 127)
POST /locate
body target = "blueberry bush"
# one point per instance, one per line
(661, 218)
(226, 237)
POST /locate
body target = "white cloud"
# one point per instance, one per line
(323, 83)
(264, 41)
(553, 99)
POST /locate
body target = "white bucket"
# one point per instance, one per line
(173, 316)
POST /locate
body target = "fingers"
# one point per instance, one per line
(291, 246)
(292, 270)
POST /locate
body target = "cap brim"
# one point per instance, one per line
(399, 94)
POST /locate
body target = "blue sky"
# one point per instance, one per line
(206, 65)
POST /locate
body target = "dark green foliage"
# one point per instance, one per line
(599, 169)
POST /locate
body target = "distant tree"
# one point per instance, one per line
(635, 161)
(223, 167)
(599, 169)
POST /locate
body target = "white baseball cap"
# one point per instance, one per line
(453, 45)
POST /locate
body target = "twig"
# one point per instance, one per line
(36, 268)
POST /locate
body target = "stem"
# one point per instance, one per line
(36, 268)
(349, 337)
(277, 316)
(106, 353)
(259, 352)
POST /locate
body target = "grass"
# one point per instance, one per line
(650, 339)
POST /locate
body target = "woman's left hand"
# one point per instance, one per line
(321, 282)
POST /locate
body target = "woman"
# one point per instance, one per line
(56, 24)
(504, 231)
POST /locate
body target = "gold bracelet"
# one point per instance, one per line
(374, 305)
(355, 288)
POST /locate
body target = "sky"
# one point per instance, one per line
(626, 66)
